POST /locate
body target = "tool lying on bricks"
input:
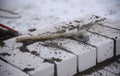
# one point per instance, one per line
(52, 36)
(81, 34)
(73, 55)
(7, 32)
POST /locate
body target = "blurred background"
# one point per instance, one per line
(40, 14)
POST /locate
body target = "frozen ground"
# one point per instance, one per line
(40, 14)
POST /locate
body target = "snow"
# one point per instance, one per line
(40, 14)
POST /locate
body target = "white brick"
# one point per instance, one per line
(26, 60)
(8, 70)
(104, 46)
(109, 23)
(108, 32)
(66, 67)
(86, 54)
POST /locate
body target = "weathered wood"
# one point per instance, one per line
(50, 36)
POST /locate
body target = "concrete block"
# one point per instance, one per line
(8, 70)
(25, 61)
(86, 54)
(104, 46)
(66, 63)
(111, 24)
(108, 32)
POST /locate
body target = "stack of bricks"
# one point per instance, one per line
(64, 56)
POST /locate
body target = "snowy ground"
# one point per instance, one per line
(40, 14)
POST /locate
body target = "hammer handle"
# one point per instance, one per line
(43, 37)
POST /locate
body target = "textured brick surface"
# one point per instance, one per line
(104, 46)
(8, 70)
(66, 63)
(111, 24)
(25, 61)
(108, 32)
(85, 53)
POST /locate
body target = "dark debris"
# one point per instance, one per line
(35, 53)
(31, 30)
(6, 34)
(28, 69)
(2, 43)
(56, 59)
(5, 54)
(24, 49)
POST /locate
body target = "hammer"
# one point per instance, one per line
(78, 34)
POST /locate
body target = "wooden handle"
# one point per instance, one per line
(43, 37)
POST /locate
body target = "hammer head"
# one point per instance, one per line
(81, 36)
